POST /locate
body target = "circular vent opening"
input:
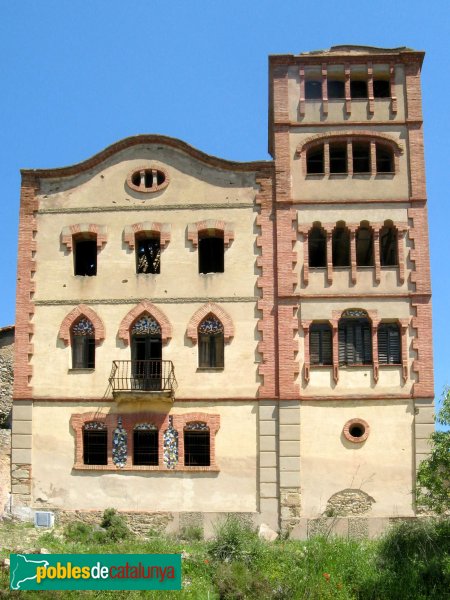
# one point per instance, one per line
(356, 430)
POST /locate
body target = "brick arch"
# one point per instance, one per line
(224, 228)
(145, 307)
(147, 227)
(92, 229)
(81, 311)
(338, 136)
(201, 313)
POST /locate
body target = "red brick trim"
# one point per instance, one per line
(304, 230)
(213, 309)
(146, 190)
(392, 86)
(404, 325)
(84, 230)
(129, 421)
(419, 255)
(145, 307)
(324, 88)
(211, 225)
(348, 99)
(306, 357)
(370, 87)
(352, 397)
(81, 311)
(288, 349)
(351, 438)
(302, 91)
(163, 230)
(422, 344)
(26, 268)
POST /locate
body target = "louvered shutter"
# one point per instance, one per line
(327, 344)
(314, 346)
(394, 345)
(383, 345)
(358, 343)
(367, 342)
(342, 343)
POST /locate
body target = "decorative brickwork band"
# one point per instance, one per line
(211, 225)
(422, 344)
(145, 308)
(211, 308)
(84, 230)
(77, 313)
(149, 229)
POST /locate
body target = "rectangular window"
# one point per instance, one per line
(210, 255)
(389, 344)
(83, 352)
(95, 447)
(85, 257)
(148, 255)
(211, 350)
(355, 342)
(361, 157)
(196, 449)
(320, 344)
(145, 443)
(338, 157)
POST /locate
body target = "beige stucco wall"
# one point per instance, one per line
(232, 489)
(336, 108)
(382, 466)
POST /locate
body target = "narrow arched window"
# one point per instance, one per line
(148, 254)
(364, 246)
(388, 246)
(210, 343)
(317, 247)
(389, 344)
(83, 344)
(320, 344)
(197, 446)
(341, 246)
(355, 338)
(210, 251)
(95, 443)
(145, 444)
(315, 161)
(385, 160)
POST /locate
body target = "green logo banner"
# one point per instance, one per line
(95, 572)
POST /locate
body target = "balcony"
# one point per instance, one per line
(143, 380)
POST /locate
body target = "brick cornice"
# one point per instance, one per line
(213, 309)
(148, 228)
(77, 313)
(84, 229)
(143, 308)
(226, 229)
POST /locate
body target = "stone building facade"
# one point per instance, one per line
(6, 374)
(196, 336)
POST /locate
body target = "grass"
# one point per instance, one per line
(412, 562)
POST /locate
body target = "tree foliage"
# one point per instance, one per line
(433, 476)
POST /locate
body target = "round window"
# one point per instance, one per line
(148, 179)
(356, 430)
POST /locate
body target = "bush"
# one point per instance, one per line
(115, 526)
(191, 533)
(235, 581)
(235, 540)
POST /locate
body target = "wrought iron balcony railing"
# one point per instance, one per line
(143, 376)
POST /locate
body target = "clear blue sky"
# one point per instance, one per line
(78, 75)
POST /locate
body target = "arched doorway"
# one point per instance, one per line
(146, 354)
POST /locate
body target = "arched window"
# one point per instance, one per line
(210, 251)
(341, 246)
(385, 159)
(320, 344)
(388, 246)
(364, 246)
(146, 353)
(197, 445)
(314, 160)
(355, 338)
(82, 335)
(210, 343)
(145, 444)
(317, 247)
(389, 344)
(148, 253)
(95, 443)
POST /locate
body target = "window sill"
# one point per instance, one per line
(80, 371)
(367, 366)
(137, 468)
(315, 175)
(206, 369)
(320, 366)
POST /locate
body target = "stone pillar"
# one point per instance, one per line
(268, 463)
(21, 453)
(289, 453)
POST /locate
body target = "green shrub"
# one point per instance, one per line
(235, 540)
(78, 532)
(192, 533)
(114, 525)
(236, 581)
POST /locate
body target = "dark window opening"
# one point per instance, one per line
(148, 255)
(358, 88)
(95, 449)
(338, 157)
(196, 449)
(364, 247)
(320, 344)
(313, 90)
(317, 247)
(381, 88)
(146, 354)
(357, 430)
(389, 346)
(210, 343)
(210, 254)
(341, 247)
(136, 179)
(355, 342)
(314, 160)
(83, 352)
(145, 447)
(148, 179)
(336, 89)
(384, 160)
(361, 157)
(388, 247)
(85, 257)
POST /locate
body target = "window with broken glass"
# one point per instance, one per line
(210, 343)
(83, 344)
(148, 255)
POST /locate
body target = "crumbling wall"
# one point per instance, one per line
(6, 375)
(5, 469)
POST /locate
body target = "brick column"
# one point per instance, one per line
(392, 87)
(324, 89)
(370, 88)
(348, 101)
(302, 90)
(334, 325)
(329, 232)
(401, 236)
(373, 158)
(349, 157)
(376, 251)
(352, 229)
(404, 324)
(375, 323)
(306, 360)
(326, 158)
(304, 230)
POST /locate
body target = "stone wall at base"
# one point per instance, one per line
(5, 469)
(6, 374)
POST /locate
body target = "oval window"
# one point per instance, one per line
(148, 179)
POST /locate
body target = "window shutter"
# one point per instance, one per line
(327, 345)
(314, 346)
(383, 345)
(367, 342)
(359, 343)
(342, 344)
(394, 345)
